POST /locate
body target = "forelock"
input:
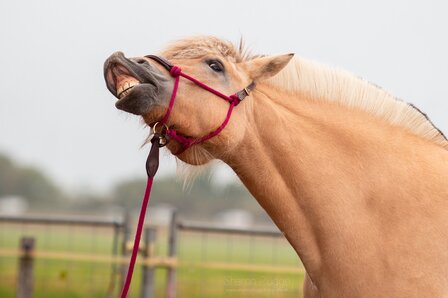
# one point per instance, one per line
(197, 47)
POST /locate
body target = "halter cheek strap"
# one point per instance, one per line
(176, 72)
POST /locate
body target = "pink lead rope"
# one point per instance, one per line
(138, 236)
(152, 162)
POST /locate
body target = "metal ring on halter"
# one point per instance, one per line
(163, 140)
(164, 127)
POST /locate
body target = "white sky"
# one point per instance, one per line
(56, 113)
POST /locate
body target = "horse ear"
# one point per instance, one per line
(265, 67)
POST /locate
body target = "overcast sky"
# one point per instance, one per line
(56, 113)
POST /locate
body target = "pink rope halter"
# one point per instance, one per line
(152, 163)
(233, 99)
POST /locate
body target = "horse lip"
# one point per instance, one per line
(109, 76)
(117, 64)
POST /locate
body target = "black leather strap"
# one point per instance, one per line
(162, 61)
(152, 162)
(246, 91)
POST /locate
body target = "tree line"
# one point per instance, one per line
(202, 200)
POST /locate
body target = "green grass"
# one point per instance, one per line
(66, 278)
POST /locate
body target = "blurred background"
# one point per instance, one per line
(72, 170)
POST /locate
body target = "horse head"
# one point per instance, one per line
(143, 87)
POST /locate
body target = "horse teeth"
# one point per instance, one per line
(124, 88)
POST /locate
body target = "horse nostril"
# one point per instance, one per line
(141, 61)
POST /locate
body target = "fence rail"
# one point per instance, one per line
(62, 220)
(194, 226)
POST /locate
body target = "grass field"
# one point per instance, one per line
(210, 265)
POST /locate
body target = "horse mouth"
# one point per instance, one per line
(133, 82)
(120, 81)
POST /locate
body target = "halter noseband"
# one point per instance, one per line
(170, 133)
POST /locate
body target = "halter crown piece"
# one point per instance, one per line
(161, 138)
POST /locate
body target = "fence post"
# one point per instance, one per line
(172, 252)
(25, 277)
(148, 271)
(124, 245)
(114, 267)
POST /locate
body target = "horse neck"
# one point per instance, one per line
(305, 162)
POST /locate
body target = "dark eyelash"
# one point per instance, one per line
(219, 63)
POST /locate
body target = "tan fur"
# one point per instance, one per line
(356, 180)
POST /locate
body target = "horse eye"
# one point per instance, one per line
(216, 66)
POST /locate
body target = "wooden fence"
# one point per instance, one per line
(121, 247)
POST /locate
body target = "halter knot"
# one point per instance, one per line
(175, 71)
(235, 99)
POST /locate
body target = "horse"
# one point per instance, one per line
(355, 178)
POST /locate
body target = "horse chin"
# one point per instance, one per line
(195, 155)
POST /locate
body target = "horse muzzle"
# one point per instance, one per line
(136, 84)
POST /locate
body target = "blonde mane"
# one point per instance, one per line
(325, 83)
